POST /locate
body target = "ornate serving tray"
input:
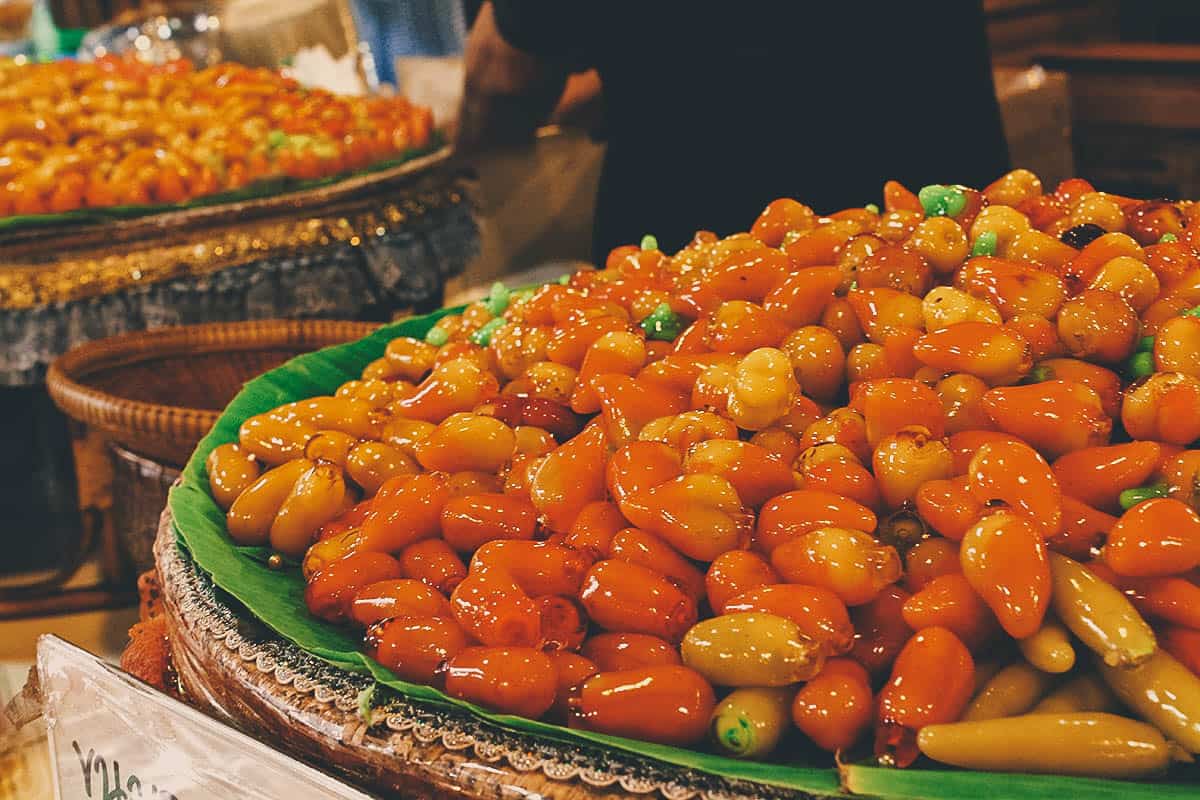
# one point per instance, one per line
(233, 667)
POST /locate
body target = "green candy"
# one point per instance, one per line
(1191, 312)
(497, 299)
(649, 242)
(564, 279)
(874, 209)
(1145, 344)
(662, 323)
(437, 336)
(520, 296)
(1039, 374)
(939, 200)
(276, 139)
(1168, 237)
(1140, 365)
(483, 336)
(985, 244)
(1131, 497)
(956, 201)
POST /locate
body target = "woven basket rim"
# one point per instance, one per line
(66, 377)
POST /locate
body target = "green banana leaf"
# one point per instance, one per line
(269, 187)
(277, 598)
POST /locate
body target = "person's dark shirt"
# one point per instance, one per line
(714, 109)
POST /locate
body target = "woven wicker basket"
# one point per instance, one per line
(158, 392)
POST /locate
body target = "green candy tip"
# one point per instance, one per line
(497, 299)
(649, 242)
(437, 336)
(1132, 497)
(736, 735)
(874, 209)
(564, 279)
(662, 323)
(1141, 364)
(1145, 344)
(483, 336)
(1168, 237)
(1191, 312)
(985, 244)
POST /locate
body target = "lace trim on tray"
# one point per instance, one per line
(455, 730)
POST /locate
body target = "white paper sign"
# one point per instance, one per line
(114, 738)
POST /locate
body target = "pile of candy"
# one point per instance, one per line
(117, 132)
(918, 478)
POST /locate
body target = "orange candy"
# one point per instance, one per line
(893, 403)
(571, 477)
(748, 274)
(669, 704)
(1098, 325)
(639, 466)
(1104, 382)
(848, 479)
(612, 652)
(738, 326)
(593, 529)
(539, 568)
(983, 349)
(733, 573)
(949, 506)
(1098, 475)
(1004, 560)
(835, 708)
(620, 596)
(1055, 417)
(699, 515)
(850, 563)
(571, 670)
(1015, 474)
(754, 473)
(1184, 644)
(928, 559)
(781, 217)
(879, 629)
(792, 513)
(406, 509)
(616, 353)
(415, 647)
(490, 606)
(397, 597)
(330, 593)
(1083, 529)
(804, 295)
(564, 624)
(1163, 408)
(647, 550)
(627, 404)
(1156, 537)
(511, 680)
(433, 562)
(819, 613)
(1016, 289)
(475, 519)
(949, 601)
(932, 681)
(905, 460)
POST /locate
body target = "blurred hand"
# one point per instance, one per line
(507, 93)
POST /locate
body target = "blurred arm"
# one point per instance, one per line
(507, 92)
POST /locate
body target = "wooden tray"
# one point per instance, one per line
(231, 666)
(21, 243)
